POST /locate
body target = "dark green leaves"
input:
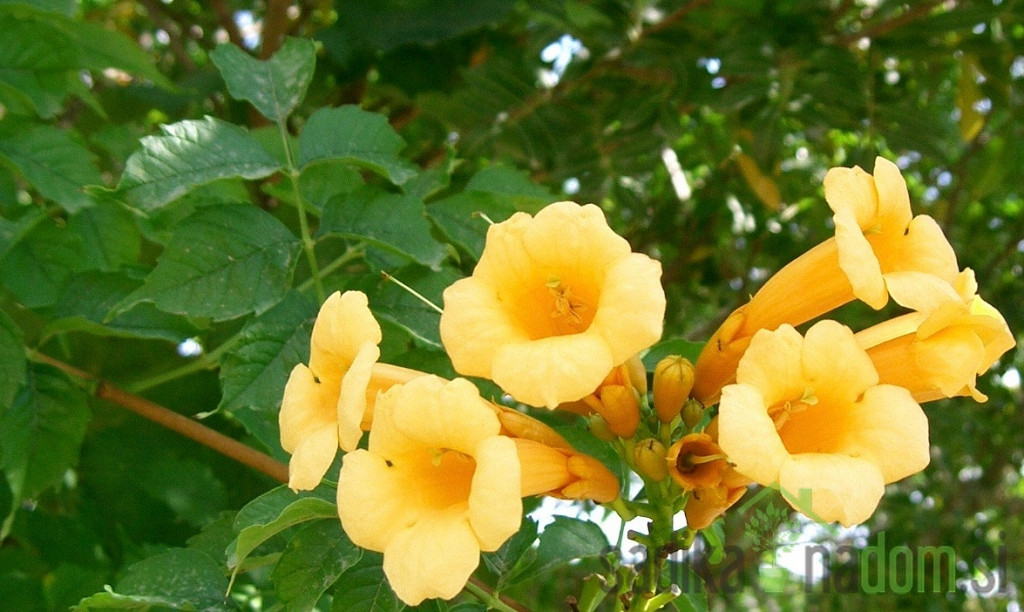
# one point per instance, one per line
(41, 432)
(564, 540)
(276, 86)
(363, 588)
(358, 137)
(223, 262)
(179, 579)
(254, 372)
(391, 221)
(311, 562)
(189, 154)
(12, 356)
(269, 515)
(51, 159)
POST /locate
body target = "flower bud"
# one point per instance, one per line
(599, 428)
(637, 374)
(620, 407)
(693, 412)
(673, 380)
(649, 458)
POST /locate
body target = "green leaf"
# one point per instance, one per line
(88, 298)
(673, 346)
(110, 232)
(41, 432)
(313, 560)
(358, 137)
(212, 269)
(102, 47)
(298, 511)
(564, 540)
(393, 303)
(364, 588)
(275, 86)
(35, 59)
(494, 193)
(12, 356)
(64, 7)
(189, 154)
(12, 232)
(182, 578)
(254, 373)
(38, 266)
(187, 486)
(215, 535)
(109, 600)
(501, 561)
(52, 160)
(391, 221)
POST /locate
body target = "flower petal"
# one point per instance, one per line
(858, 261)
(631, 311)
(839, 488)
(774, 364)
(342, 326)
(306, 406)
(888, 428)
(852, 192)
(373, 503)
(549, 371)
(352, 396)
(495, 506)
(834, 363)
(432, 558)
(921, 248)
(893, 199)
(312, 458)
(431, 412)
(748, 436)
(474, 330)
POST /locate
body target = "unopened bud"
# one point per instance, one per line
(620, 407)
(599, 428)
(693, 412)
(649, 458)
(673, 380)
(637, 374)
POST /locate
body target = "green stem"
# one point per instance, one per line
(300, 206)
(492, 601)
(346, 258)
(207, 361)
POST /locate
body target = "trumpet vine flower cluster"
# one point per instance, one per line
(558, 313)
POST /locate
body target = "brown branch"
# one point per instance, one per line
(275, 25)
(178, 423)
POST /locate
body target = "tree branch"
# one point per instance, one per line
(275, 25)
(229, 447)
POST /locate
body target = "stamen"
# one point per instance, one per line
(689, 462)
(780, 412)
(567, 306)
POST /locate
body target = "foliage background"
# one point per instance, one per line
(750, 102)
